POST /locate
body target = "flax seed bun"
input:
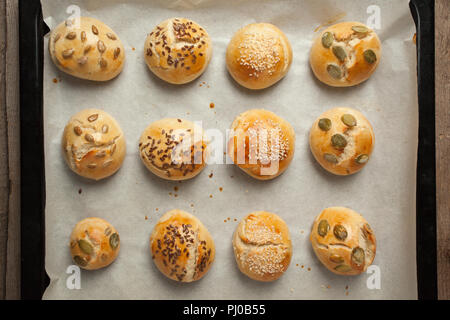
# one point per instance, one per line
(342, 140)
(262, 246)
(88, 50)
(345, 54)
(94, 243)
(259, 55)
(261, 143)
(181, 246)
(178, 50)
(173, 149)
(93, 144)
(343, 241)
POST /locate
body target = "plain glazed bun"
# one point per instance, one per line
(342, 140)
(173, 149)
(88, 50)
(343, 241)
(261, 143)
(181, 246)
(178, 50)
(259, 55)
(94, 243)
(262, 246)
(93, 144)
(345, 54)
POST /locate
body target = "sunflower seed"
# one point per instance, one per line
(69, 23)
(362, 158)
(108, 231)
(83, 36)
(89, 137)
(71, 35)
(327, 39)
(105, 128)
(116, 53)
(336, 258)
(100, 154)
(93, 117)
(87, 48)
(113, 149)
(111, 36)
(77, 130)
(370, 56)
(334, 71)
(360, 29)
(368, 228)
(340, 232)
(94, 30)
(323, 228)
(114, 241)
(343, 268)
(103, 63)
(358, 256)
(80, 261)
(83, 60)
(101, 46)
(68, 53)
(92, 165)
(107, 163)
(325, 124)
(348, 120)
(330, 158)
(339, 52)
(57, 37)
(85, 246)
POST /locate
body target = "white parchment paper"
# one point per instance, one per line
(384, 192)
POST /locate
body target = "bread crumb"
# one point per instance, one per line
(211, 175)
(210, 195)
(146, 218)
(55, 80)
(175, 188)
(220, 189)
(211, 105)
(80, 191)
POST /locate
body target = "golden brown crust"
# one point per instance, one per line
(359, 140)
(178, 50)
(259, 55)
(88, 50)
(339, 56)
(262, 246)
(93, 144)
(173, 149)
(94, 243)
(181, 246)
(262, 144)
(343, 241)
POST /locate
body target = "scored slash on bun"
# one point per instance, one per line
(181, 246)
(88, 50)
(178, 50)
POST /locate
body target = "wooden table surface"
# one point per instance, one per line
(10, 149)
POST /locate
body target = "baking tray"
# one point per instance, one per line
(34, 279)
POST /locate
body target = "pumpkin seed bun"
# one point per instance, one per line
(178, 50)
(94, 243)
(345, 54)
(181, 246)
(89, 50)
(342, 140)
(343, 241)
(173, 149)
(262, 246)
(261, 143)
(93, 144)
(259, 55)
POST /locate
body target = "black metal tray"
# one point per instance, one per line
(34, 279)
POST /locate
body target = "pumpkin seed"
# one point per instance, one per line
(334, 71)
(100, 154)
(87, 48)
(343, 268)
(85, 246)
(327, 39)
(57, 37)
(78, 131)
(340, 232)
(94, 30)
(330, 158)
(89, 137)
(108, 231)
(370, 56)
(339, 52)
(358, 256)
(325, 124)
(338, 141)
(83, 60)
(83, 36)
(348, 120)
(92, 165)
(362, 158)
(107, 163)
(114, 241)
(323, 228)
(101, 46)
(80, 261)
(71, 35)
(93, 117)
(336, 258)
(111, 36)
(68, 53)
(116, 53)
(360, 29)
(103, 63)
(105, 128)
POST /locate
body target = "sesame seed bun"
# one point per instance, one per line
(345, 54)
(181, 246)
(262, 246)
(262, 144)
(259, 55)
(178, 50)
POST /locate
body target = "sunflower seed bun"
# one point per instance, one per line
(94, 243)
(182, 248)
(173, 149)
(90, 50)
(345, 54)
(93, 144)
(342, 140)
(262, 144)
(262, 246)
(259, 55)
(178, 50)
(343, 241)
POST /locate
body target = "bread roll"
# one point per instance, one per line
(345, 54)
(182, 248)
(178, 50)
(87, 50)
(342, 140)
(93, 144)
(259, 55)
(173, 149)
(261, 143)
(94, 243)
(343, 241)
(262, 246)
